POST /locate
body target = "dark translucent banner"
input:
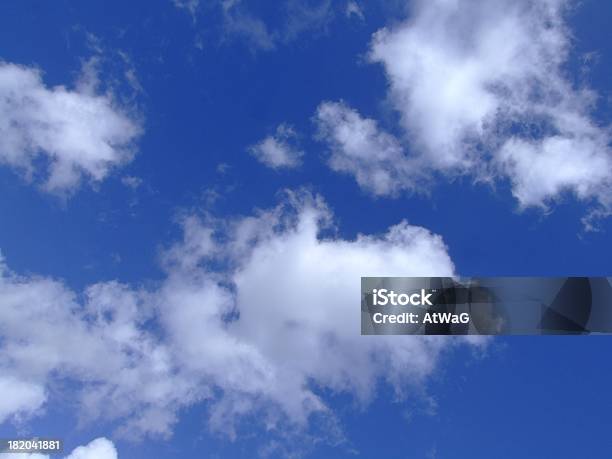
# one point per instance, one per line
(486, 305)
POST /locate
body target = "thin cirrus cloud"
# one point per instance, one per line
(279, 150)
(481, 90)
(239, 22)
(100, 448)
(299, 19)
(233, 290)
(58, 136)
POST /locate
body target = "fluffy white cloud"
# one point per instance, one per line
(97, 449)
(310, 310)
(58, 134)
(454, 67)
(481, 88)
(279, 150)
(542, 170)
(358, 147)
(256, 315)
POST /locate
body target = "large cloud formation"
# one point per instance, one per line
(211, 330)
(61, 135)
(482, 89)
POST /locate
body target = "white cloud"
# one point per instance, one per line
(542, 170)
(279, 150)
(256, 315)
(454, 67)
(311, 312)
(359, 147)
(64, 336)
(26, 397)
(58, 134)
(481, 90)
(353, 8)
(97, 449)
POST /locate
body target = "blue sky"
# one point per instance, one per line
(184, 95)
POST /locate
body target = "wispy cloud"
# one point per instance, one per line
(259, 33)
(353, 8)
